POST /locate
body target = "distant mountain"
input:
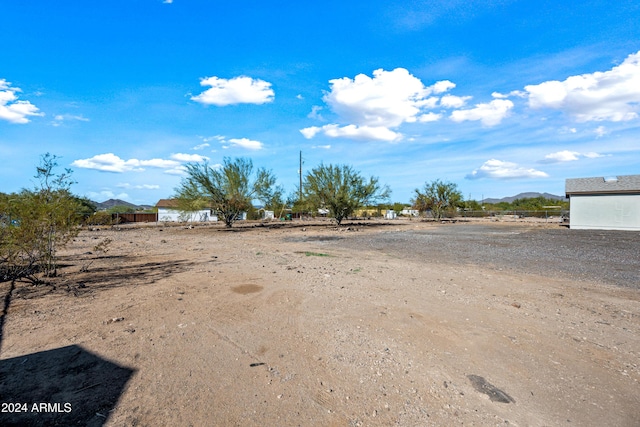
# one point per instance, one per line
(116, 202)
(525, 196)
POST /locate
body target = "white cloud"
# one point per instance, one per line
(154, 163)
(109, 162)
(60, 118)
(213, 138)
(200, 146)
(167, 1)
(310, 132)
(315, 113)
(428, 103)
(442, 86)
(565, 130)
(368, 108)
(600, 131)
(238, 90)
(516, 93)
(429, 117)
(497, 169)
(561, 156)
(139, 187)
(246, 143)
(181, 157)
(365, 133)
(388, 99)
(11, 109)
(372, 108)
(490, 114)
(324, 147)
(452, 101)
(568, 156)
(612, 95)
(178, 170)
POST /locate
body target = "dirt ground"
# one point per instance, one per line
(303, 326)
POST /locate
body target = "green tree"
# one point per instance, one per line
(278, 201)
(227, 190)
(341, 190)
(398, 208)
(439, 197)
(529, 204)
(472, 205)
(86, 207)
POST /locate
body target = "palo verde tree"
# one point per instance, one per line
(35, 224)
(278, 201)
(228, 190)
(341, 190)
(439, 197)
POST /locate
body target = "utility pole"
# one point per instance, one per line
(300, 171)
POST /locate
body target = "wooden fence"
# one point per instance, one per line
(120, 218)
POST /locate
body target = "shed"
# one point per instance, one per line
(604, 203)
(168, 211)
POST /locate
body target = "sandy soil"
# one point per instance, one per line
(268, 326)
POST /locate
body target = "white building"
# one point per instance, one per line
(604, 203)
(410, 212)
(390, 214)
(168, 211)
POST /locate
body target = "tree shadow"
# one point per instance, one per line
(111, 272)
(118, 271)
(63, 386)
(132, 273)
(311, 224)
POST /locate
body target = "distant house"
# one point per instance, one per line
(168, 211)
(604, 203)
(410, 212)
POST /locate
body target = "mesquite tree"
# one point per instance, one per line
(341, 190)
(228, 190)
(439, 197)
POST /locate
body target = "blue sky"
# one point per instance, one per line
(498, 96)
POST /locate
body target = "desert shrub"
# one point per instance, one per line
(37, 223)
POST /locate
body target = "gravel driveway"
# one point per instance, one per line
(610, 257)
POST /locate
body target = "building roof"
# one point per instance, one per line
(167, 203)
(603, 185)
